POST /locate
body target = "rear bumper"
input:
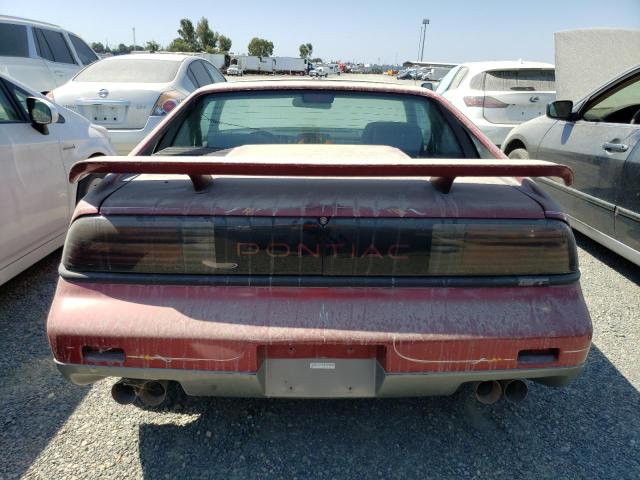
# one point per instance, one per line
(294, 379)
(123, 140)
(225, 340)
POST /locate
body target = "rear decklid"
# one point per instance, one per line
(515, 95)
(329, 180)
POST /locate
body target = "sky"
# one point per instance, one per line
(373, 31)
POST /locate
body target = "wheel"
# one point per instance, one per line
(519, 153)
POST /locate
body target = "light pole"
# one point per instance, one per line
(425, 22)
(420, 40)
(134, 38)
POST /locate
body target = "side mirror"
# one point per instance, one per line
(41, 114)
(560, 110)
(427, 85)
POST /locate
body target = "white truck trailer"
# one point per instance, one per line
(253, 64)
(291, 65)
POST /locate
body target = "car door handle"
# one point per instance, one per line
(68, 146)
(615, 147)
(59, 73)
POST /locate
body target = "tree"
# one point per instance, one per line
(260, 47)
(97, 47)
(306, 49)
(206, 37)
(152, 46)
(178, 45)
(188, 36)
(123, 49)
(224, 43)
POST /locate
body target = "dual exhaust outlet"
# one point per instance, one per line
(489, 392)
(150, 392)
(153, 392)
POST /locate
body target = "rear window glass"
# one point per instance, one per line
(129, 70)
(520, 80)
(413, 124)
(82, 49)
(13, 40)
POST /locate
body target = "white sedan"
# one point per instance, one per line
(497, 96)
(39, 143)
(131, 94)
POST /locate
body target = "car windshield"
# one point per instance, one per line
(134, 70)
(414, 124)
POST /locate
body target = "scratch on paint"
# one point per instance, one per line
(474, 361)
(186, 359)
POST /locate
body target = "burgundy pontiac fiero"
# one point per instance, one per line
(318, 240)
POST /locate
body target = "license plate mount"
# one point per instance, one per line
(320, 377)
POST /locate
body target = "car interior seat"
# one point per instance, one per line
(404, 136)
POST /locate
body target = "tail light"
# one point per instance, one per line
(167, 101)
(299, 246)
(484, 101)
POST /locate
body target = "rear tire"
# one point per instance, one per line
(519, 153)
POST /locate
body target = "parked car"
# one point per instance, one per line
(599, 138)
(131, 94)
(318, 72)
(39, 143)
(317, 261)
(497, 96)
(41, 55)
(234, 70)
(409, 74)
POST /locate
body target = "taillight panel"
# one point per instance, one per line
(395, 247)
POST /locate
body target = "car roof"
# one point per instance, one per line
(505, 64)
(26, 21)
(173, 57)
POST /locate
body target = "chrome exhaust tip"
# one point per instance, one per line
(488, 392)
(515, 391)
(123, 393)
(152, 393)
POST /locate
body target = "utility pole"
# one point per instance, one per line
(134, 38)
(420, 40)
(425, 22)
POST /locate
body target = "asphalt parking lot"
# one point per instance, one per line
(51, 429)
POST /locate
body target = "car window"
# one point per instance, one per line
(447, 79)
(520, 80)
(214, 73)
(13, 40)
(123, 70)
(457, 80)
(20, 95)
(83, 50)
(7, 111)
(200, 74)
(619, 105)
(53, 46)
(413, 124)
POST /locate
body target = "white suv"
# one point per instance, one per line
(41, 55)
(497, 96)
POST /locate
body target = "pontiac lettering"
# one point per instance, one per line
(276, 250)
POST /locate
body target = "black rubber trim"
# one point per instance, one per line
(317, 280)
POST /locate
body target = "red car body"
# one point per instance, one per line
(316, 334)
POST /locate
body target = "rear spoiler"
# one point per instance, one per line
(443, 172)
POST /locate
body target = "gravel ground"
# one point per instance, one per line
(51, 429)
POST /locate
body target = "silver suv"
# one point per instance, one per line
(41, 55)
